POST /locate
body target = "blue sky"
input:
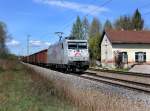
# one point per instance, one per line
(41, 18)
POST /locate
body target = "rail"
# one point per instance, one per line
(132, 85)
(121, 72)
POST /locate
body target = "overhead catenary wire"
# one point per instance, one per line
(102, 5)
(144, 6)
(73, 18)
(147, 13)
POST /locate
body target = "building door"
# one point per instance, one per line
(124, 57)
(121, 59)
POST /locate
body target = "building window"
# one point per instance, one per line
(140, 57)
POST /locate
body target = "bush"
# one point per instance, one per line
(6, 56)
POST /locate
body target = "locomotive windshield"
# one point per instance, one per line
(82, 45)
(77, 45)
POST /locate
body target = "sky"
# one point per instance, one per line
(40, 19)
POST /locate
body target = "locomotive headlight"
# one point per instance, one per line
(85, 58)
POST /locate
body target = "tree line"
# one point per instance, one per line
(4, 52)
(3, 37)
(92, 32)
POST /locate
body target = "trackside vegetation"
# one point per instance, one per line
(23, 90)
(86, 98)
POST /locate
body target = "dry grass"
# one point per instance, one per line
(21, 89)
(90, 100)
(8, 65)
(97, 101)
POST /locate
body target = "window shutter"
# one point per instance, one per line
(144, 56)
(136, 56)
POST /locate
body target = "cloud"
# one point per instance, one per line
(47, 43)
(38, 43)
(12, 42)
(84, 8)
(35, 43)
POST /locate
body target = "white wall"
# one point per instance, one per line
(131, 49)
(106, 53)
(108, 49)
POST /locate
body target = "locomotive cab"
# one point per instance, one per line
(78, 56)
(69, 55)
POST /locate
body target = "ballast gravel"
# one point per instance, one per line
(85, 84)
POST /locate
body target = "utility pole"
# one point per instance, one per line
(28, 46)
(59, 34)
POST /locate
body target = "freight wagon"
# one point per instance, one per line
(39, 58)
(67, 54)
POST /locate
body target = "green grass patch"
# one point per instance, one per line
(22, 90)
(122, 70)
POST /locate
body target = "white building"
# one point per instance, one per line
(125, 48)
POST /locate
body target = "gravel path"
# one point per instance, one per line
(141, 69)
(92, 85)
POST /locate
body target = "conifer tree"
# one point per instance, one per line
(95, 27)
(137, 21)
(85, 26)
(77, 30)
(124, 22)
(94, 39)
(134, 22)
(108, 25)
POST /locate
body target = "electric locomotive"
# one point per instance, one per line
(69, 54)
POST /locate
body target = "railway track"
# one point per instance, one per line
(117, 82)
(121, 72)
(132, 85)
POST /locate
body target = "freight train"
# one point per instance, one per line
(69, 55)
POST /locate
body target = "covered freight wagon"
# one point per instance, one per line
(39, 58)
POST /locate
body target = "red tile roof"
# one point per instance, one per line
(119, 36)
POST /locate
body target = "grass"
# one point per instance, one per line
(22, 90)
(122, 70)
(92, 100)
